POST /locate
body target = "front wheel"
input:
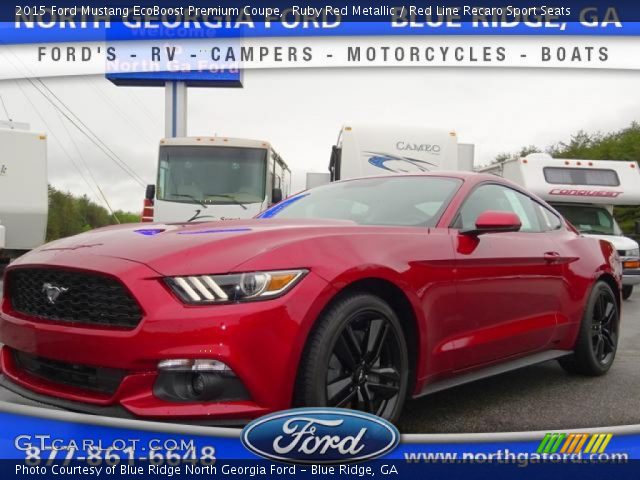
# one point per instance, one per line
(356, 357)
(627, 290)
(598, 337)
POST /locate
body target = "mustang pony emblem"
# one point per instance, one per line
(53, 292)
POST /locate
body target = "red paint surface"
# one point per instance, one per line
(476, 300)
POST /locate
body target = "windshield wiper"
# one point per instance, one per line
(224, 195)
(184, 195)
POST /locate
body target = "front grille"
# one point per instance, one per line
(101, 380)
(622, 253)
(68, 296)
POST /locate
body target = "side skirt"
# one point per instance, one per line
(492, 370)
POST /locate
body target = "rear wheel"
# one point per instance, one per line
(627, 290)
(598, 337)
(356, 357)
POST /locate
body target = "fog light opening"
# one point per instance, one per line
(197, 384)
(197, 380)
(204, 386)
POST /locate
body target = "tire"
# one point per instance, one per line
(355, 357)
(597, 341)
(627, 290)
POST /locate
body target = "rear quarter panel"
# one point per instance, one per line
(587, 260)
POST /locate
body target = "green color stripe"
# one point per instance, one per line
(550, 443)
(559, 440)
(542, 445)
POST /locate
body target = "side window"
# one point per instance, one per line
(502, 199)
(604, 219)
(162, 178)
(550, 220)
(270, 174)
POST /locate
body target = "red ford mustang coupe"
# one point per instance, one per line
(356, 294)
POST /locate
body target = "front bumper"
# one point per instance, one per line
(11, 392)
(631, 271)
(631, 277)
(260, 341)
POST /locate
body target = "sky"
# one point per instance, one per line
(301, 111)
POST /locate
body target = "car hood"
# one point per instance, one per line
(171, 249)
(619, 242)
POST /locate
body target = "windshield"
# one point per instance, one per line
(588, 219)
(212, 175)
(397, 201)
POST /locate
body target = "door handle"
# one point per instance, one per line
(551, 256)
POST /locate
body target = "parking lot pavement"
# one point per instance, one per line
(542, 397)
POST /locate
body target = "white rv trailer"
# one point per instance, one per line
(215, 178)
(366, 150)
(584, 192)
(24, 200)
(316, 179)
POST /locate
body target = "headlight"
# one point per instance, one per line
(235, 287)
(633, 253)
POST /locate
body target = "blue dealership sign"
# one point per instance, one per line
(193, 78)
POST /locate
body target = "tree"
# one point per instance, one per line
(524, 151)
(621, 145)
(70, 215)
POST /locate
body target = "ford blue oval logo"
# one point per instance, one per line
(320, 435)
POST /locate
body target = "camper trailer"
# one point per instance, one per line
(24, 202)
(366, 150)
(584, 192)
(215, 178)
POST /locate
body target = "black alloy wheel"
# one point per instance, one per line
(364, 367)
(597, 341)
(604, 327)
(356, 357)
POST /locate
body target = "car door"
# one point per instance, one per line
(507, 283)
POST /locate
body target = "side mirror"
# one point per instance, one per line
(150, 193)
(495, 222)
(276, 195)
(637, 227)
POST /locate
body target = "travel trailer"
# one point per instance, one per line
(584, 192)
(366, 150)
(24, 201)
(215, 178)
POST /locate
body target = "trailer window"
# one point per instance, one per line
(212, 174)
(581, 176)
